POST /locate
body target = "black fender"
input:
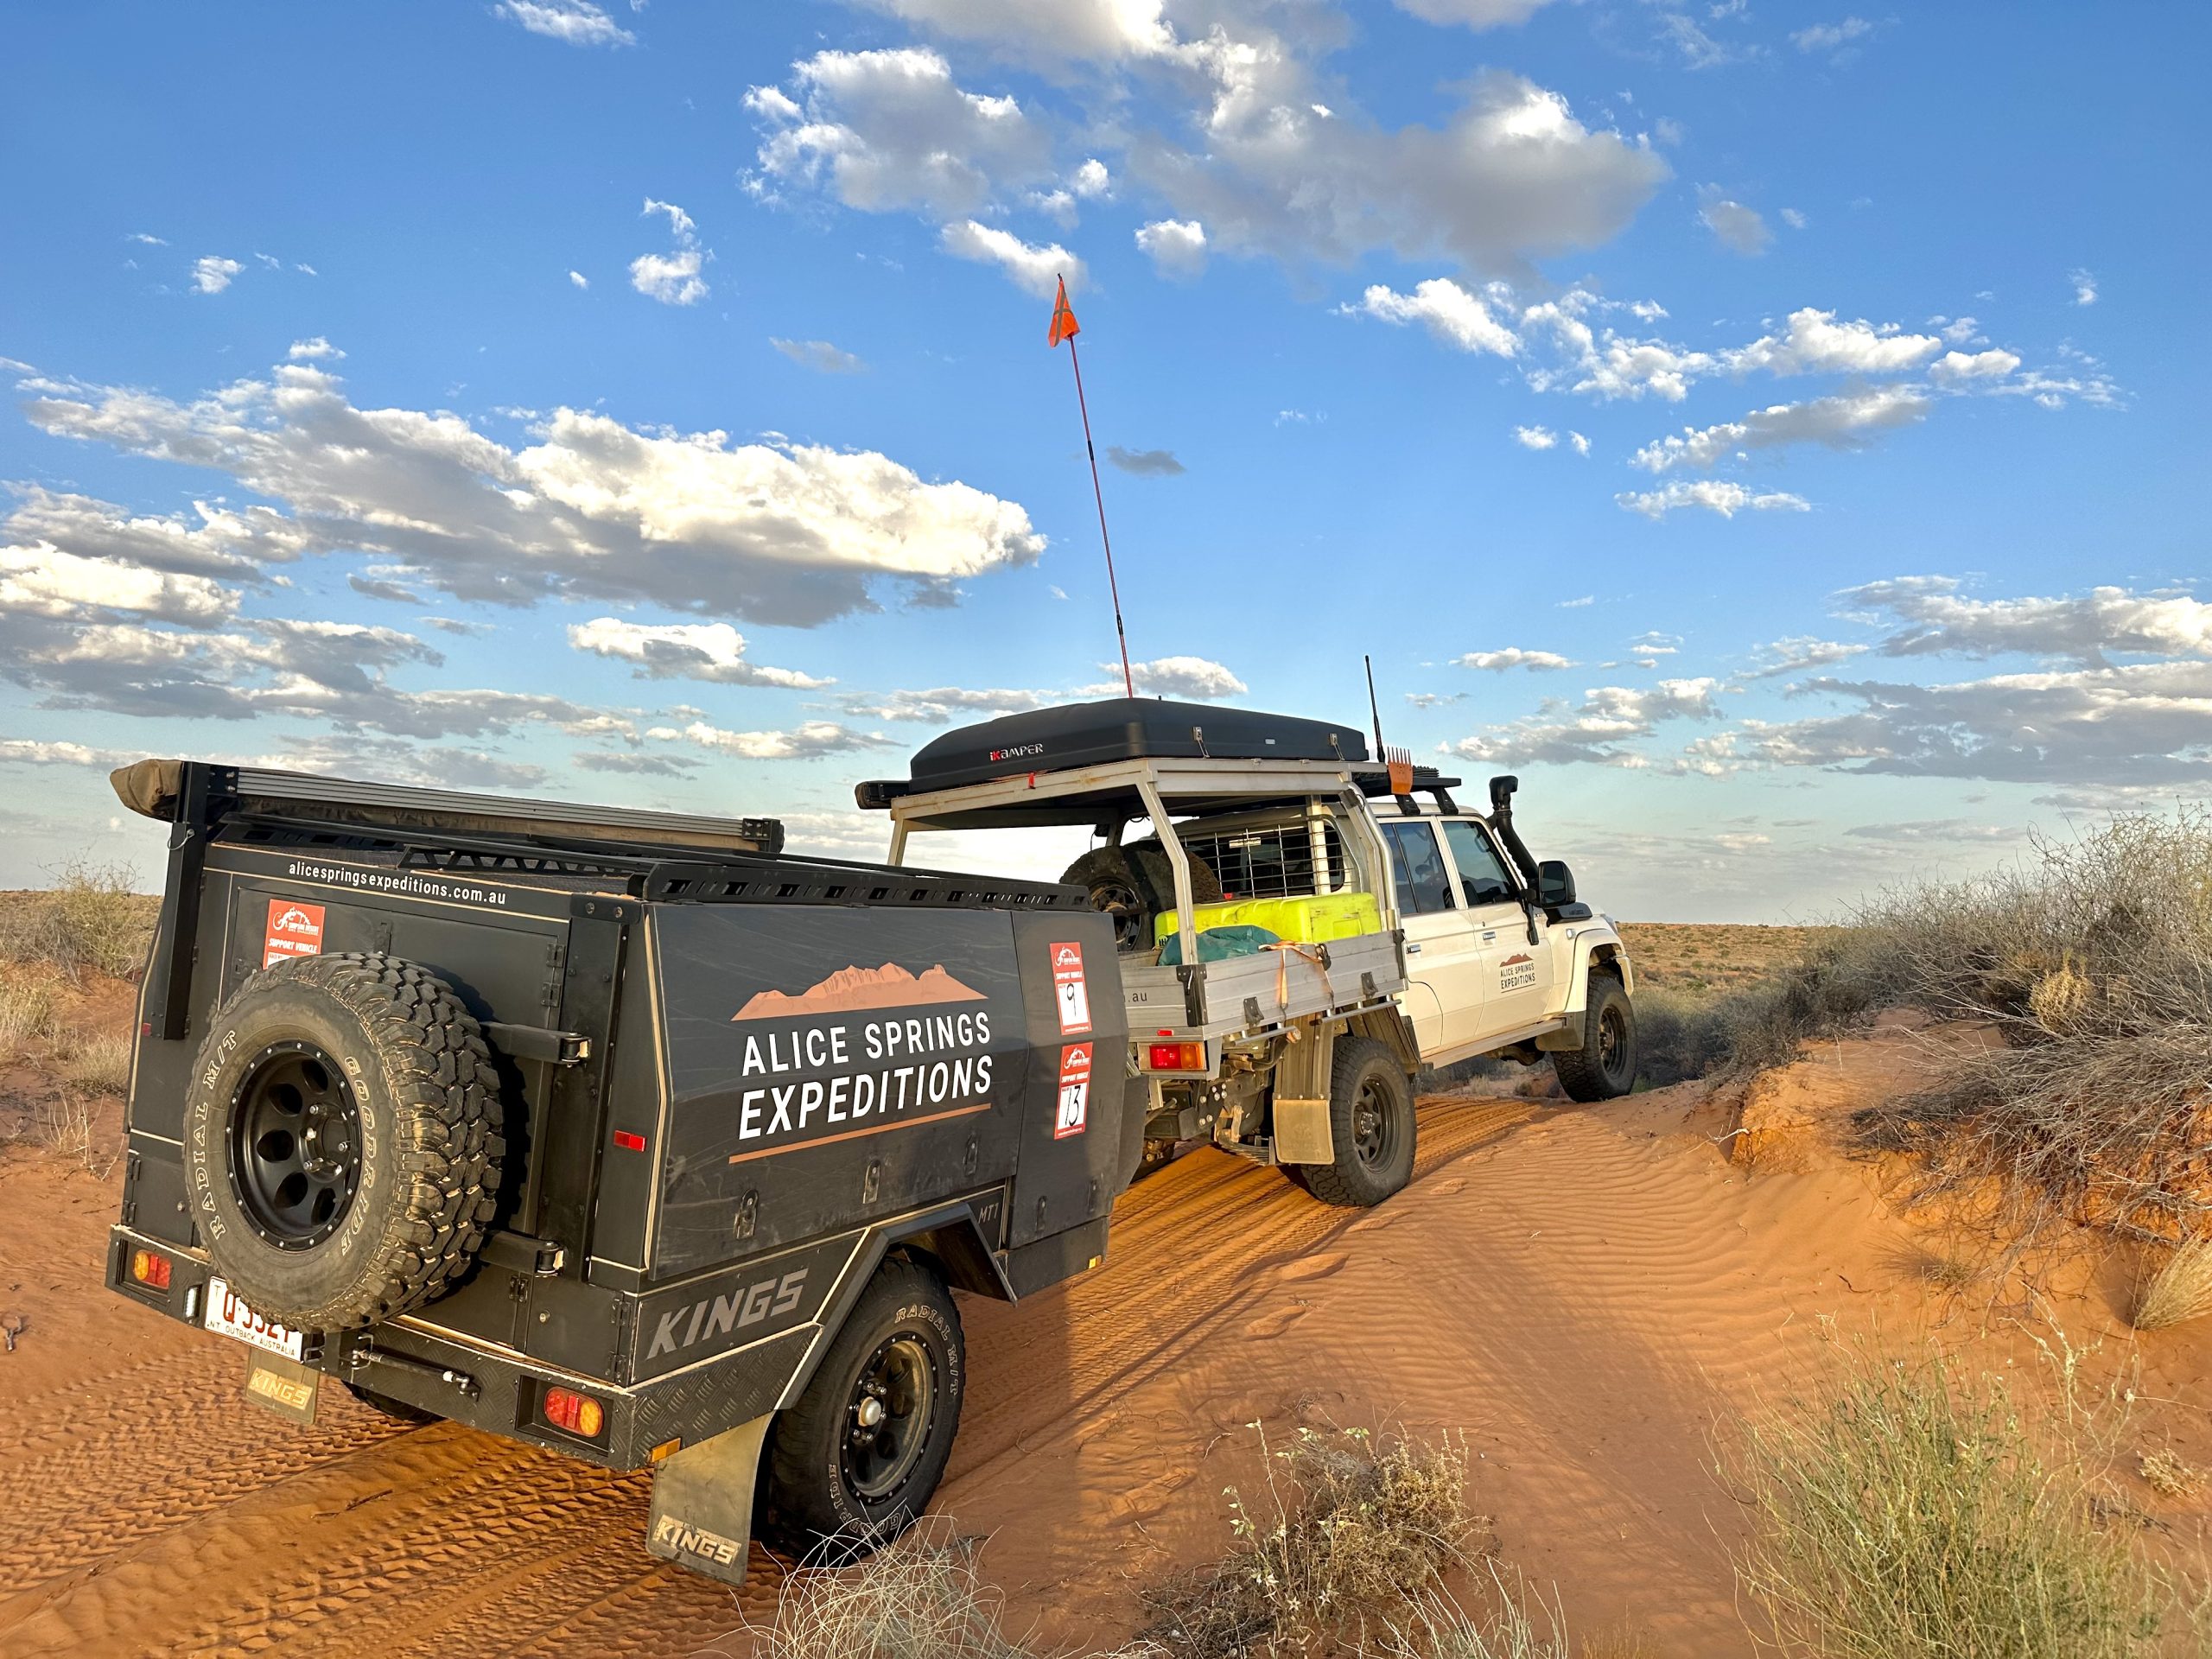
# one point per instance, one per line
(954, 1239)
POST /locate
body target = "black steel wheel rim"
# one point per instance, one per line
(1612, 1040)
(1373, 1123)
(887, 1419)
(295, 1145)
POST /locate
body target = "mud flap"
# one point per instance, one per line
(701, 1515)
(1299, 1115)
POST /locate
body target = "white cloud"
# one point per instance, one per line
(574, 23)
(1800, 652)
(231, 543)
(2139, 724)
(1585, 601)
(315, 350)
(1599, 730)
(683, 650)
(1445, 309)
(1605, 363)
(1934, 618)
(1100, 30)
(890, 130)
(1826, 37)
(1535, 437)
(1715, 495)
(1177, 246)
(672, 278)
(41, 581)
(1815, 343)
(1846, 421)
(944, 704)
(1961, 368)
(773, 531)
(148, 240)
(1091, 180)
(1581, 444)
(2085, 287)
(1512, 656)
(1194, 677)
(1035, 269)
(1737, 228)
(30, 751)
(579, 279)
(1473, 14)
(1794, 219)
(809, 741)
(1510, 177)
(818, 355)
(211, 273)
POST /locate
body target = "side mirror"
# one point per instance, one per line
(1555, 882)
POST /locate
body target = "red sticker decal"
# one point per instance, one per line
(295, 930)
(1069, 992)
(1074, 1110)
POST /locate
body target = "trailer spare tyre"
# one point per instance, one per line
(1135, 884)
(341, 1139)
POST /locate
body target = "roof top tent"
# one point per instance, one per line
(1101, 764)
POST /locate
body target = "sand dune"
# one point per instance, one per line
(1591, 1297)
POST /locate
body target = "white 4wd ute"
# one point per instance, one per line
(1302, 929)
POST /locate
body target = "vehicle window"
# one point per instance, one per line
(1417, 866)
(1482, 876)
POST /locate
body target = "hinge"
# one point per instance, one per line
(537, 1043)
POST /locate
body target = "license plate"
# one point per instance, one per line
(227, 1316)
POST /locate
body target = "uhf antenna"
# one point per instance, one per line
(1400, 762)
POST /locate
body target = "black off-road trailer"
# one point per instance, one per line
(623, 1133)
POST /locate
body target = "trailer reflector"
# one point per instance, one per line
(629, 1142)
(1178, 1057)
(151, 1270)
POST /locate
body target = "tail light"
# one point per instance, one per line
(1178, 1057)
(578, 1413)
(150, 1269)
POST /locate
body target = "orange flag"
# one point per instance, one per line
(1064, 326)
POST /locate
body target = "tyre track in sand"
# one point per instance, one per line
(360, 1537)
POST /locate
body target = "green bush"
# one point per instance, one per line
(1902, 1516)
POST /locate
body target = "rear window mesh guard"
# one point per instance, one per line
(1275, 863)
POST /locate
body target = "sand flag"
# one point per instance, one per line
(1064, 327)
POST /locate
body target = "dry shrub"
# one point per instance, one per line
(2168, 1474)
(1506, 1628)
(2093, 964)
(27, 1007)
(920, 1597)
(89, 921)
(1845, 978)
(1352, 1534)
(1903, 1516)
(96, 1061)
(2179, 1291)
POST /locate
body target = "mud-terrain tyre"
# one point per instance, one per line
(341, 1139)
(841, 1484)
(399, 1410)
(1604, 1068)
(1370, 1128)
(1134, 885)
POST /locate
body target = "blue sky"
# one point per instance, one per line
(1777, 432)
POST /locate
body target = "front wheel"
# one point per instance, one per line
(859, 1457)
(1604, 1068)
(1370, 1128)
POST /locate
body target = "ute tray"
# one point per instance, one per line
(1122, 728)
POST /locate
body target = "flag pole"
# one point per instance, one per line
(1128, 682)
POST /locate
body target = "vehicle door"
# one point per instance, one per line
(1516, 976)
(1442, 958)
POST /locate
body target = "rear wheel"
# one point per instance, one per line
(1135, 885)
(859, 1457)
(1370, 1128)
(1604, 1066)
